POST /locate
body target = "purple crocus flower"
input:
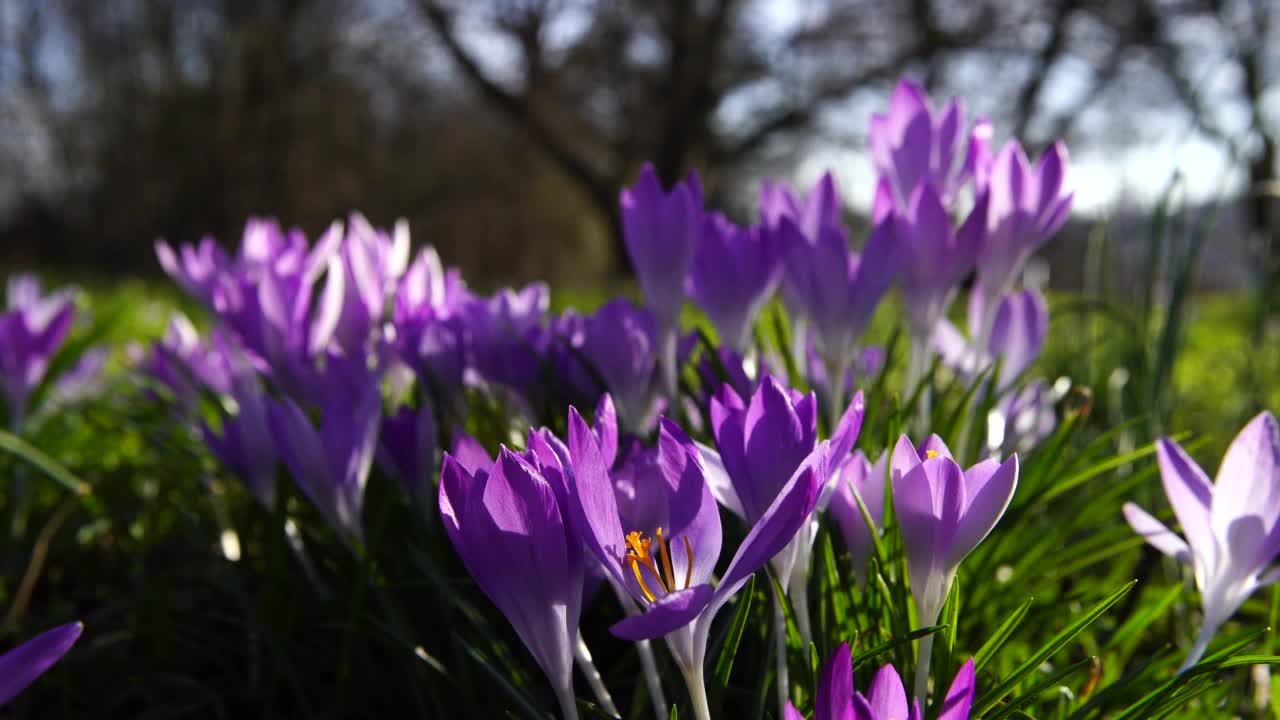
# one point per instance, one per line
(667, 569)
(32, 331)
(503, 335)
(186, 365)
(508, 523)
(245, 444)
(332, 464)
(409, 447)
(195, 268)
(1017, 336)
(430, 327)
(373, 262)
(22, 665)
(887, 698)
(944, 513)
(762, 443)
(661, 232)
(1027, 206)
(859, 479)
(935, 258)
(911, 146)
(620, 342)
(1231, 527)
(735, 271)
(835, 290)
(819, 208)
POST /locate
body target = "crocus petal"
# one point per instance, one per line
(1248, 481)
(1190, 494)
(902, 460)
(1156, 533)
(718, 480)
(22, 665)
(596, 509)
(835, 687)
(606, 429)
(959, 699)
(468, 452)
(887, 697)
(692, 512)
(846, 432)
(792, 713)
(988, 492)
(669, 613)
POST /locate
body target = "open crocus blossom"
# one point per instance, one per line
(734, 272)
(507, 522)
(668, 568)
(22, 665)
(944, 513)
(1231, 528)
(886, 699)
(910, 146)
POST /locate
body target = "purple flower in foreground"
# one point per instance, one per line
(734, 273)
(1026, 207)
(887, 698)
(667, 568)
(1231, 528)
(944, 512)
(910, 147)
(507, 521)
(32, 331)
(762, 443)
(857, 477)
(22, 665)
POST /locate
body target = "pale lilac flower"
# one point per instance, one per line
(1231, 527)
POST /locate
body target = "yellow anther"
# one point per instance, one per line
(635, 568)
(640, 556)
(931, 454)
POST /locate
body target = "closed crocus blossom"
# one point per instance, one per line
(502, 333)
(661, 231)
(819, 208)
(408, 447)
(331, 464)
(667, 569)
(735, 271)
(22, 665)
(32, 330)
(859, 479)
(429, 328)
(944, 512)
(619, 341)
(886, 699)
(184, 363)
(912, 146)
(1027, 206)
(194, 267)
(244, 444)
(508, 524)
(372, 261)
(835, 290)
(1017, 336)
(1230, 529)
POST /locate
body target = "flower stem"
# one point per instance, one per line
(697, 691)
(922, 669)
(568, 702)
(588, 667)
(657, 698)
(1207, 631)
(917, 365)
(780, 654)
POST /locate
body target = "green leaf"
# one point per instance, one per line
(45, 464)
(866, 655)
(1000, 636)
(1006, 686)
(724, 662)
(1023, 700)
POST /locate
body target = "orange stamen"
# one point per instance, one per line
(688, 568)
(666, 561)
